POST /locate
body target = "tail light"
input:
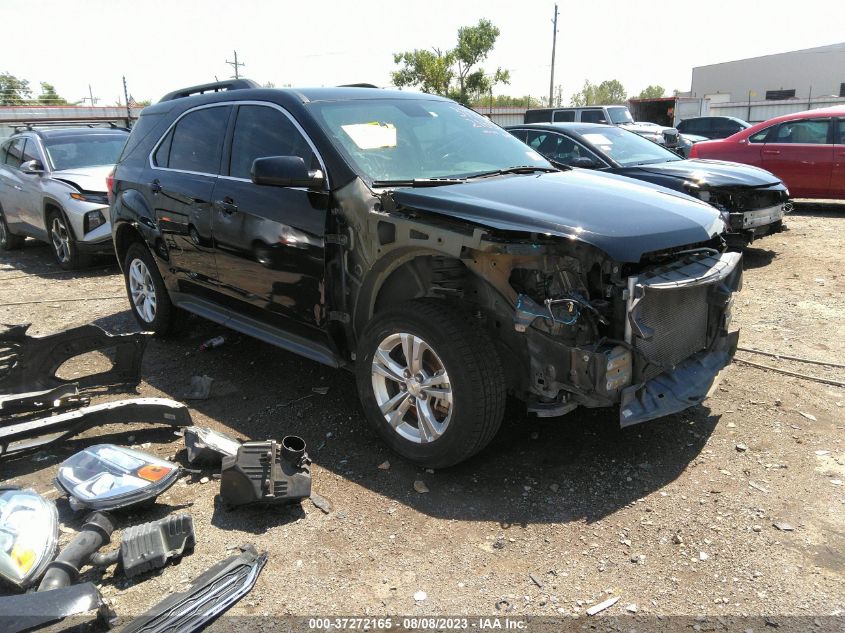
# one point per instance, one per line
(110, 186)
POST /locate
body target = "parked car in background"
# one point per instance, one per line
(712, 127)
(412, 240)
(617, 115)
(805, 149)
(685, 143)
(752, 200)
(53, 188)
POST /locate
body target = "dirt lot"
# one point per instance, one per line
(675, 517)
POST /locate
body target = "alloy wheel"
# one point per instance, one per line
(2, 230)
(412, 388)
(142, 290)
(61, 240)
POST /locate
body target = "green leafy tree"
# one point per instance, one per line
(608, 92)
(49, 96)
(455, 73)
(651, 92)
(13, 91)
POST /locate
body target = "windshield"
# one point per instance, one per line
(403, 139)
(620, 115)
(84, 150)
(627, 148)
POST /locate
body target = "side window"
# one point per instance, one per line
(162, 155)
(520, 134)
(841, 136)
(557, 147)
(31, 151)
(564, 116)
(263, 131)
(198, 140)
(760, 137)
(14, 156)
(535, 139)
(592, 116)
(4, 150)
(805, 131)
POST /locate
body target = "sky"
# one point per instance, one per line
(164, 45)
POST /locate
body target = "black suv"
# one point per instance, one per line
(712, 127)
(410, 239)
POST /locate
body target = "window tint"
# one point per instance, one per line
(14, 155)
(198, 140)
(760, 137)
(841, 136)
(537, 116)
(262, 131)
(592, 116)
(564, 116)
(807, 131)
(558, 147)
(31, 151)
(162, 155)
(776, 95)
(520, 134)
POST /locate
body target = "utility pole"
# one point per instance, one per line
(235, 64)
(128, 107)
(554, 44)
(91, 98)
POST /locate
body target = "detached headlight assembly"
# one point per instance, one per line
(29, 535)
(105, 477)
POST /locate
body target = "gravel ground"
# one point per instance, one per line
(676, 517)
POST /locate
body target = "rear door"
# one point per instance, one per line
(837, 177)
(269, 240)
(12, 181)
(800, 152)
(184, 168)
(32, 190)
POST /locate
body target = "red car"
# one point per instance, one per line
(805, 149)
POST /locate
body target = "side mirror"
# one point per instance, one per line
(285, 171)
(32, 167)
(583, 161)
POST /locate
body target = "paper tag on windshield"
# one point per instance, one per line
(597, 139)
(373, 135)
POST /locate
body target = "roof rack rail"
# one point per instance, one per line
(48, 123)
(215, 86)
(357, 86)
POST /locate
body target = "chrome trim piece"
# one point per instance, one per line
(265, 104)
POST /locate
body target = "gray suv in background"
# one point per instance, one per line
(53, 188)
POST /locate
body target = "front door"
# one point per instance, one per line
(800, 152)
(185, 166)
(837, 176)
(269, 240)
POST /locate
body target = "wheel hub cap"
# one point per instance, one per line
(412, 388)
(61, 240)
(142, 290)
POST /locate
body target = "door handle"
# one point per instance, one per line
(771, 151)
(226, 205)
(18, 187)
(155, 186)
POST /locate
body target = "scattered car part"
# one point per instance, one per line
(21, 435)
(210, 594)
(29, 363)
(207, 446)
(64, 571)
(105, 476)
(29, 536)
(268, 472)
(211, 343)
(200, 388)
(150, 546)
(55, 399)
(38, 609)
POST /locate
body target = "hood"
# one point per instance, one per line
(85, 178)
(713, 173)
(645, 129)
(622, 217)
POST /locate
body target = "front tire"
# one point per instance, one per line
(65, 248)
(8, 241)
(148, 298)
(431, 382)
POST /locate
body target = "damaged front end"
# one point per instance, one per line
(651, 338)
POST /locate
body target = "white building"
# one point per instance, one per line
(759, 88)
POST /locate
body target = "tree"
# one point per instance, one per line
(13, 91)
(454, 73)
(608, 92)
(49, 96)
(652, 92)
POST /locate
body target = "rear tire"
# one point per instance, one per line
(8, 241)
(446, 405)
(148, 298)
(65, 248)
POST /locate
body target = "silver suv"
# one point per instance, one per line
(53, 188)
